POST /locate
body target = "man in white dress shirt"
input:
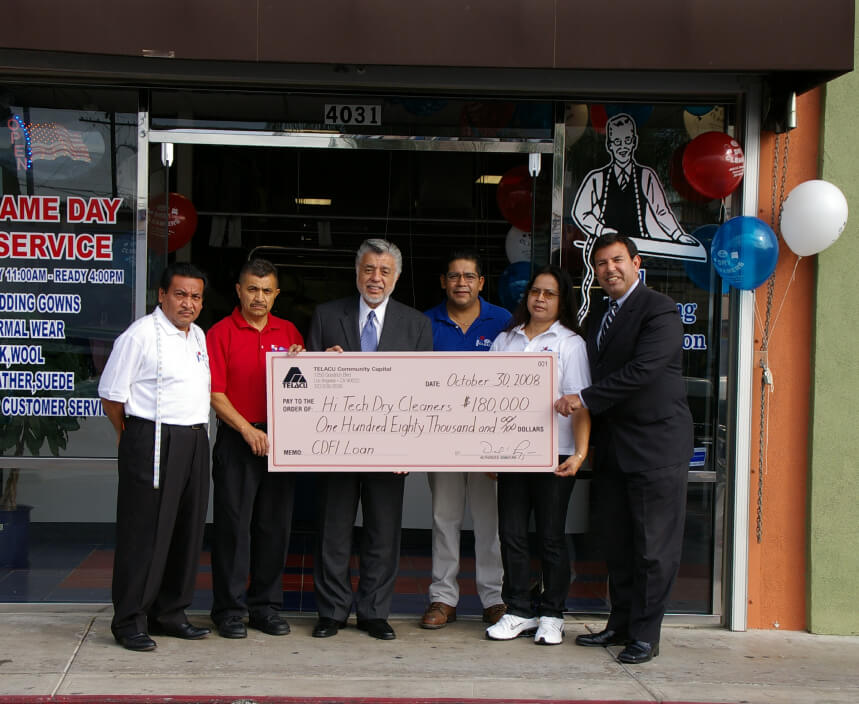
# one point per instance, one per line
(155, 391)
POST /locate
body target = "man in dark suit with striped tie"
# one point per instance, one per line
(369, 322)
(642, 439)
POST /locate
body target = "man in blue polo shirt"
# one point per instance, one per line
(464, 323)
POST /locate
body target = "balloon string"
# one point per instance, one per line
(784, 296)
(781, 304)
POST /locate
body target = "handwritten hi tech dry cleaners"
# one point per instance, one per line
(360, 404)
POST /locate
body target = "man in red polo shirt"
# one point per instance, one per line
(252, 507)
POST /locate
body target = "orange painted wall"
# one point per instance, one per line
(777, 565)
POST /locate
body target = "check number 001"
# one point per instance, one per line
(353, 114)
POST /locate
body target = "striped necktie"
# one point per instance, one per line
(606, 323)
(369, 341)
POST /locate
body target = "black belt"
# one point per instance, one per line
(258, 426)
(195, 426)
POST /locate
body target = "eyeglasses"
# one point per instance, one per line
(622, 141)
(548, 293)
(470, 277)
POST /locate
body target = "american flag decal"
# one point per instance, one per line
(50, 141)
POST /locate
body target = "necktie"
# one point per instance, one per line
(622, 180)
(609, 318)
(369, 341)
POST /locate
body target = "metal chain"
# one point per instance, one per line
(778, 190)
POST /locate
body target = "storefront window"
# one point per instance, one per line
(67, 265)
(69, 252)
(624, 171)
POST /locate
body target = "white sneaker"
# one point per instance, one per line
(510, 627)
(550, 632)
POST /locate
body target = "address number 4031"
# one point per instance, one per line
(353, 114)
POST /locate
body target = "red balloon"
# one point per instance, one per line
(180, 225)
(599, 117)
(514, 197)
(678, 180)
(713, 164)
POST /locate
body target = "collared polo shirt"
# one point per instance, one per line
(574, 372)
(237, 359)
(131, 373)
(447, 337)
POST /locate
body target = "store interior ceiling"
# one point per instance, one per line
(308, 210)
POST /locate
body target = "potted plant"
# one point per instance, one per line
(19, 433)
(32, 433)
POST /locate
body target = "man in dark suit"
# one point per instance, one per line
(642, 439)
(365, 323)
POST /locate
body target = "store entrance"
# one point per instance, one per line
(307, 210)
(287, 177)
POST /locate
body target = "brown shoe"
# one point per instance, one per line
(438, 615)
(493, 614)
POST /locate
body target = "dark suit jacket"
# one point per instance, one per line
(336, 323)
(380, 493)
(637, 397)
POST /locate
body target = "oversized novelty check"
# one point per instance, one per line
(417, 411)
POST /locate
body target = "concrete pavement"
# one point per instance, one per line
(48, 649)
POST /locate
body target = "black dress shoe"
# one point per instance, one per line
(272, 624)
(184, 630)
(137, 641)
(326, 627)
(378, 628)
(638, 651)
(232, 627)
(603, 638)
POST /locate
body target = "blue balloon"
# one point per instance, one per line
(745, 252)
(512, 283)
(699, 110)
(700, 273)
(640, 114)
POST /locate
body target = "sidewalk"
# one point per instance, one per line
(65, 650)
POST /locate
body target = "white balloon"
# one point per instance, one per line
(518, 245)
(813, 216)
(575, 122)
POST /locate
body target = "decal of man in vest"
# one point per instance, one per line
(628, 198)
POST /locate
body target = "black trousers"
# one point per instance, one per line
(644, 514)
(547, 496)
(381, 497)
(252, 511)
(159, 532)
